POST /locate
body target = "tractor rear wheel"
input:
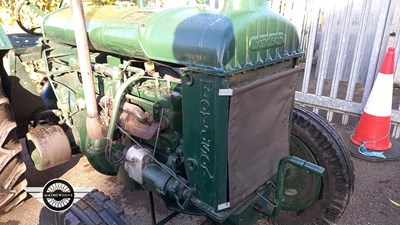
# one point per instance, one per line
(12, 167)
(310, 199)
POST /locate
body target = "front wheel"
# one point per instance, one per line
(309, 199)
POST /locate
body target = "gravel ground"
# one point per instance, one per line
(376, 183)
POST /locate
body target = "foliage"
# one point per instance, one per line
(8, 13)
(13, 10)
(102, 2)
(9, 10)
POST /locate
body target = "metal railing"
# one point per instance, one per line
(345, 42)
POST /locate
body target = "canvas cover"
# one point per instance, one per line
(258, 134)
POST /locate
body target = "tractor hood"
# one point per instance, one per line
(224, 41)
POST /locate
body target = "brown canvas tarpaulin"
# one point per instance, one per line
(258, 135)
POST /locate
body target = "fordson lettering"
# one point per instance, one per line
(266, 41)
(158, 114)
(205, 141)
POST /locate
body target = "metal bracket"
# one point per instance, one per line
(224, 206)
(295, 161)
(225, 92)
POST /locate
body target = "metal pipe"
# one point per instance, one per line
(397, 47)
(325, 50)
(376, 50)
(341, 55)
(141, 3)
(311, 46)
(35, 9)
(386, 32)
(138, 73)
(93, 125)
(117, 100)
(357, 61)
(396, 127)
(342, 48)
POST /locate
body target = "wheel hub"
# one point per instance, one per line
(301, 188)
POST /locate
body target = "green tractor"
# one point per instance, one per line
(193, 104)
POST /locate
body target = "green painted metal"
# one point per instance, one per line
(267, 200)
(18, 85)
(5, 43)
(205, 146)
(141, 3)
(152, 99)
(302, 188)
(152, 95)
(245, 216)
(219, 42)
(278, 195)
(93, 149)
(215, 47)
(35, 8)
(117, 102)
(69, 91)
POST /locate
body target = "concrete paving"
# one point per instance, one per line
(376, 184)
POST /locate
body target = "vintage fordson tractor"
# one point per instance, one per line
(195, 105)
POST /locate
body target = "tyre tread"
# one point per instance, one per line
(94, 208)
(337, 162)
(12, 167)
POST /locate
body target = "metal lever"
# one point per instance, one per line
(310, 167)
(295, 161)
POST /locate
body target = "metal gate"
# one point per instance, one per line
(345, 42)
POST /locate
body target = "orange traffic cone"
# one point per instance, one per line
(373, 129)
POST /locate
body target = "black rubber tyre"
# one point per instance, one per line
(12, 167)
(330, 152)
(93, 208)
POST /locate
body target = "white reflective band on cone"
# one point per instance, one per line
(380, 99)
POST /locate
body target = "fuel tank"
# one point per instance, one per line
(238, 36)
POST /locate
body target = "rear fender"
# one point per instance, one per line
(16, 84)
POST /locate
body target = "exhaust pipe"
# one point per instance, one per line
(93, 125)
